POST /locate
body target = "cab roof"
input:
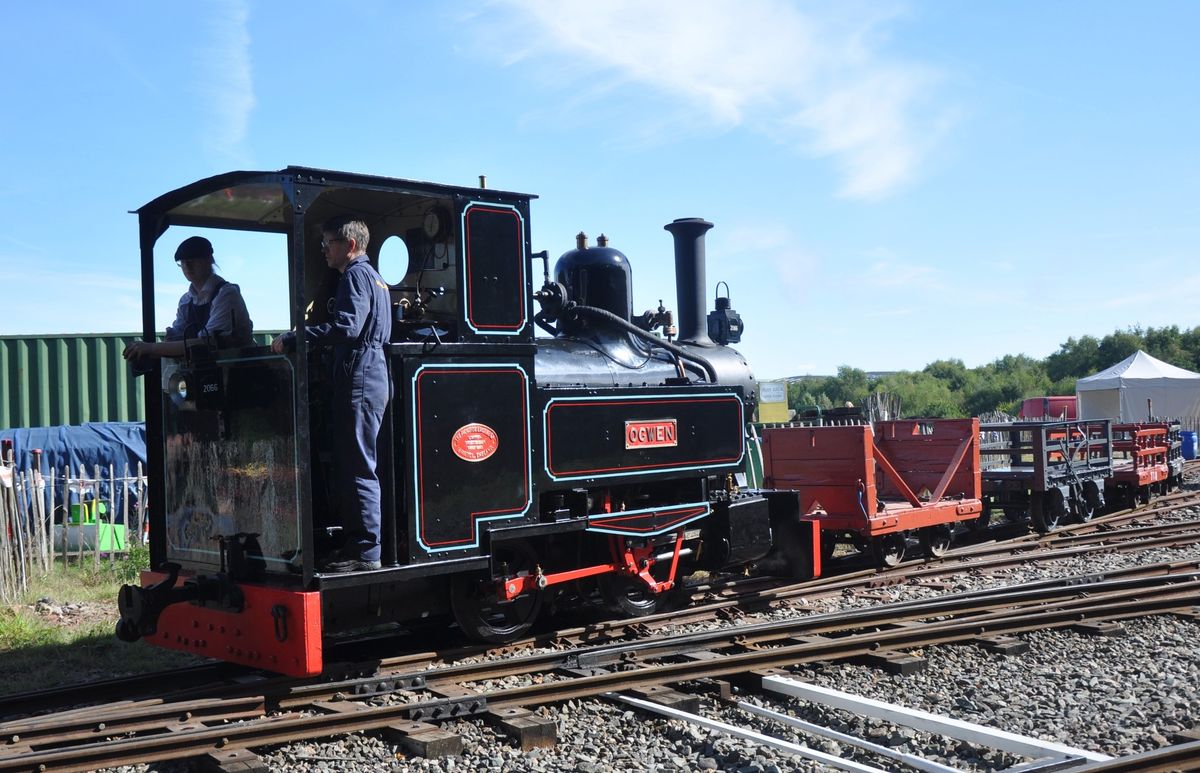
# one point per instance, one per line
(267, 201)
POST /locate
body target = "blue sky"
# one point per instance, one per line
(891, 183)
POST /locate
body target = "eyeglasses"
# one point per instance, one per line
(326, 242)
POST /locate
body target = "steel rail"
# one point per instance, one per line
(192, 741)
(132, 719)
(978, 602)
(1016, 551)
(1180, 757)
(1009, 554)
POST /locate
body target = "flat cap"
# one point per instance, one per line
(194, 248)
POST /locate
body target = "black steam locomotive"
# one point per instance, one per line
(606, 459)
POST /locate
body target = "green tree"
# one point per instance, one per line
(923, 395)
(1167, 344)
(1115, 347)
(849, 385)
(953, 372)
(1074, 359)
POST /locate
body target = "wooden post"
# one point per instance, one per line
(5, 582)
(30, 488)
(66, 518)
(50, 520)
(35, 523)
(21, 554)
(141, 505)
(125, 504)
(34, 544)
(39, 510)
(112, 514)
(8, 511)
(96, 521)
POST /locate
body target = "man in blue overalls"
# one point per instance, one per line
(358, 331)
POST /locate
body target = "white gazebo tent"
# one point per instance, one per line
(1121, 392)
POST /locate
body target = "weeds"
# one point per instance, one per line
(62, 630)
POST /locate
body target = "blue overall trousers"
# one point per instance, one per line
(358, 332)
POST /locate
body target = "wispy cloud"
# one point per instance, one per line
(1181, 287)
(891, 274)
(227, 78)
(815, 78)
(793, 266)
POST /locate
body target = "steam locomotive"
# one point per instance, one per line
(607, 456)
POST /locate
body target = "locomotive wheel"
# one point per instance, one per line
(936, 540)
(629, 597)
(479, 611)
(888, 550)
(1143, 495)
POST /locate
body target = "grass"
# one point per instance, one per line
(38, 651)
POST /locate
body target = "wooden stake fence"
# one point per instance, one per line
(45, 516)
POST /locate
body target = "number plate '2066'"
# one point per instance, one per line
(660, 433)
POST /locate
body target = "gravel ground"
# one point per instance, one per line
(1112, 695)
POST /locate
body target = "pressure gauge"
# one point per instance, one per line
(435, 223)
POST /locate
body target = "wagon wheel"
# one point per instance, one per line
(888, 549)
(1083, 507)
(1047, 511)
(935, 540)
(477, 607)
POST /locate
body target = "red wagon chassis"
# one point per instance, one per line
(1140, 454)
(906, 475)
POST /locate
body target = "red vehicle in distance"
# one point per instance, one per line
(1051, 407)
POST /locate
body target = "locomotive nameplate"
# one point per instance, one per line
(614, 433)
(651, 434)
(474, 442)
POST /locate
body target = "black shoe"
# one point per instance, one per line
(341, 566)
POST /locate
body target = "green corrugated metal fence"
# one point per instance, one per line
(50, 380)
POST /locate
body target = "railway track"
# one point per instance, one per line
(119, 734)
(245, 710)
(1121, 531)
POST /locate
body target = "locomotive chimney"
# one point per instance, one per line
(689, 278)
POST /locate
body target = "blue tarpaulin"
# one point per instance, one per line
(119, 444)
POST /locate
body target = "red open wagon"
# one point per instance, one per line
(875, 488)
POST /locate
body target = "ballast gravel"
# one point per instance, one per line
(1113, 695)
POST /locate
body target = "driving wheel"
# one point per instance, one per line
(476, 603)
